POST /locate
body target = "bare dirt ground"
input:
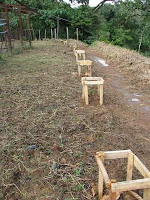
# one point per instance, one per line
(49, 137)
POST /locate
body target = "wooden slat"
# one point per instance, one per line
(92, 78)
(130, 166)
(114, 154)
(80, 51)
(141, 167)
(103, 171)
(130, 185)
(94, 82)
(85, 62)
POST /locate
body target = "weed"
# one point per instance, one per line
(78, 154)
(79, 187)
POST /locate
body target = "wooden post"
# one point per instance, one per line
(55, 33)
(45, 34)
(130, 166)
(77, 30)
(51, 33)
(67, 35)
(100, 185)
(29, 32)
(101, 94)
(20, 29)
(39, 35)
(8, 28)
(83, 90)
(34, 35)
(86, 95)
(57, 28)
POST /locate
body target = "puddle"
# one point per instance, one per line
(135, 100)
(137, 95)
(101, 61)
(146, 108)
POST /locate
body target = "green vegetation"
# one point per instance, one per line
(124, 23)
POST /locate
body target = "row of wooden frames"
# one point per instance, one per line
(114, 189)
(87, 79)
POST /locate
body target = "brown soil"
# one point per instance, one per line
(41, 105)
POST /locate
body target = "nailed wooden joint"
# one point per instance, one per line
(116, 188)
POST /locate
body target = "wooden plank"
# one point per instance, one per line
(114, 154)
(130, 166)
(94, 82)
(130, 185)
(80, 51)
(141, 167)
(146, 195)
(103, 171)
(100, 185)
(85, 62)
(92, 78)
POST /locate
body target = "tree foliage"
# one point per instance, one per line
(124, 23)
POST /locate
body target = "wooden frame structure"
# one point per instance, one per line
(88, 81)
(85, 63)
(79, 53)
(20, 9)
(116, 188)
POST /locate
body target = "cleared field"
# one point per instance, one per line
(49, 137)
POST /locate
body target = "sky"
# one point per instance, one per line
(92, 2)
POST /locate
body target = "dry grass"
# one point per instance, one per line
(40, 96)
(137, 65)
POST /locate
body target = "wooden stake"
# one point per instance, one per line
(86, 95)
(57, 28)
(20, 29)
(100, 185)
(55, 33)
(29, 32)
(67, 35)
(51, 33)
(45, 34)
(101, 94)
(77, 30)
(8, 28)
(39, 35)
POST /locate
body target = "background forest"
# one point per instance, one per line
(123, 23)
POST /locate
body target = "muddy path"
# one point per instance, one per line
(118, 87)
